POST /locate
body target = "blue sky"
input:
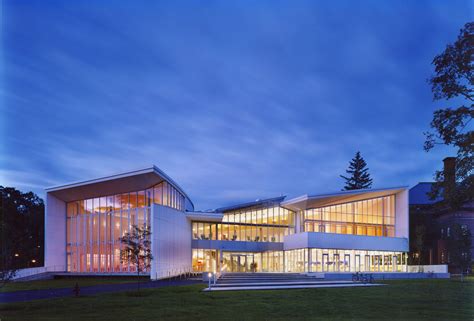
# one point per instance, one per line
(234, 100)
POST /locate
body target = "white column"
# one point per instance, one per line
(310, 260)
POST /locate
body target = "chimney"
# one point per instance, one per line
(449, 176)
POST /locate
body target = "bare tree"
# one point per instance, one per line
(137, 249)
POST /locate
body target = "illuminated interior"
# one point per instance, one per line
(333, 260)
(248, 224)
(301, 260)
(95, 225)
(373, 217)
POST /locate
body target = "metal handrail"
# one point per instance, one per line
(23, 273)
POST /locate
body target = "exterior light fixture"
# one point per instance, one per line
(17, 255)
(33, 261)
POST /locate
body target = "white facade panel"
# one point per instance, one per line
(401, 214)
(171, 242)
(55, 232)
(345, 242)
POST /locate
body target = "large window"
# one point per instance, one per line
(373, 217)
(204, 260)
(250, 225)
(333, 260)
(301, 260)
(94, 226)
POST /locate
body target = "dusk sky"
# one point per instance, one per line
(234, 100)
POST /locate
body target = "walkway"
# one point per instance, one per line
(28, 295)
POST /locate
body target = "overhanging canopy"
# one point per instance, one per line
(136, 180)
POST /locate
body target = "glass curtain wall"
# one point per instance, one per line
(372, 217)
(250, 225)
(301, 260)
(331, 260)
(204, 260)
(95, 225)
(270, 261)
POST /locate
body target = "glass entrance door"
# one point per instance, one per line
(325, 262)
(357, 263)
(347, 263)
(241, 262)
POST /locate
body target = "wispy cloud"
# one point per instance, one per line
(233, 101)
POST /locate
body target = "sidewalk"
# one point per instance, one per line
(28, 295)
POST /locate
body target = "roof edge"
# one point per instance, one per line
(145, 170)
(341, 193)
(249, 204)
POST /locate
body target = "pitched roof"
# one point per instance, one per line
(419, 194)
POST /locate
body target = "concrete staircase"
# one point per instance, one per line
(274, 281)
(235, 279)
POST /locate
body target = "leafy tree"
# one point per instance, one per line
(137, 249)
(21, 231)
(453, 81)
(459, 247)
(420, 236)
(359, 176)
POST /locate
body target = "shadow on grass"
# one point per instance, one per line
(138, 294)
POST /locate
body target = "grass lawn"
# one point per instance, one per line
(399, 300)
(66, 283)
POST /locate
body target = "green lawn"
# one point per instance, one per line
(400, 300)
(66, 283)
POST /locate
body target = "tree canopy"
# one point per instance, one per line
(452, 82)
(136, 249)
(359, 177)
(21, 228)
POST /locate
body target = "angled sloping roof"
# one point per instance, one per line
(250, 204)
(205, 216)
(419, 194)
(124, 182)
(318, 200)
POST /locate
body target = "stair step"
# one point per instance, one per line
(280, 283)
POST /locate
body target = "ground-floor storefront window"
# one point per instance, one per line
(300, 260)
(330, 260)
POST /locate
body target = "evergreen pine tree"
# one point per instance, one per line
(359, 177)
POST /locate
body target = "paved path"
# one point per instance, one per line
(28, 295)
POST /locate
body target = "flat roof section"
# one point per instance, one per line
(250, 204)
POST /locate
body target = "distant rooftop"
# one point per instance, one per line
(250, 204)
(419, 194)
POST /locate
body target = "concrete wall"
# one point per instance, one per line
(237, 246)
(401, 214)
(55, 232)
(171, 242)
(440, 268)
(345, 242)
(30, 273)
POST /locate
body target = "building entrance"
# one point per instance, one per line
(241, 262)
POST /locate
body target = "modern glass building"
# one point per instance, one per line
(363, 230)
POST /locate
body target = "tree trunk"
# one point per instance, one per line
(138, 274)
(138, 279)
